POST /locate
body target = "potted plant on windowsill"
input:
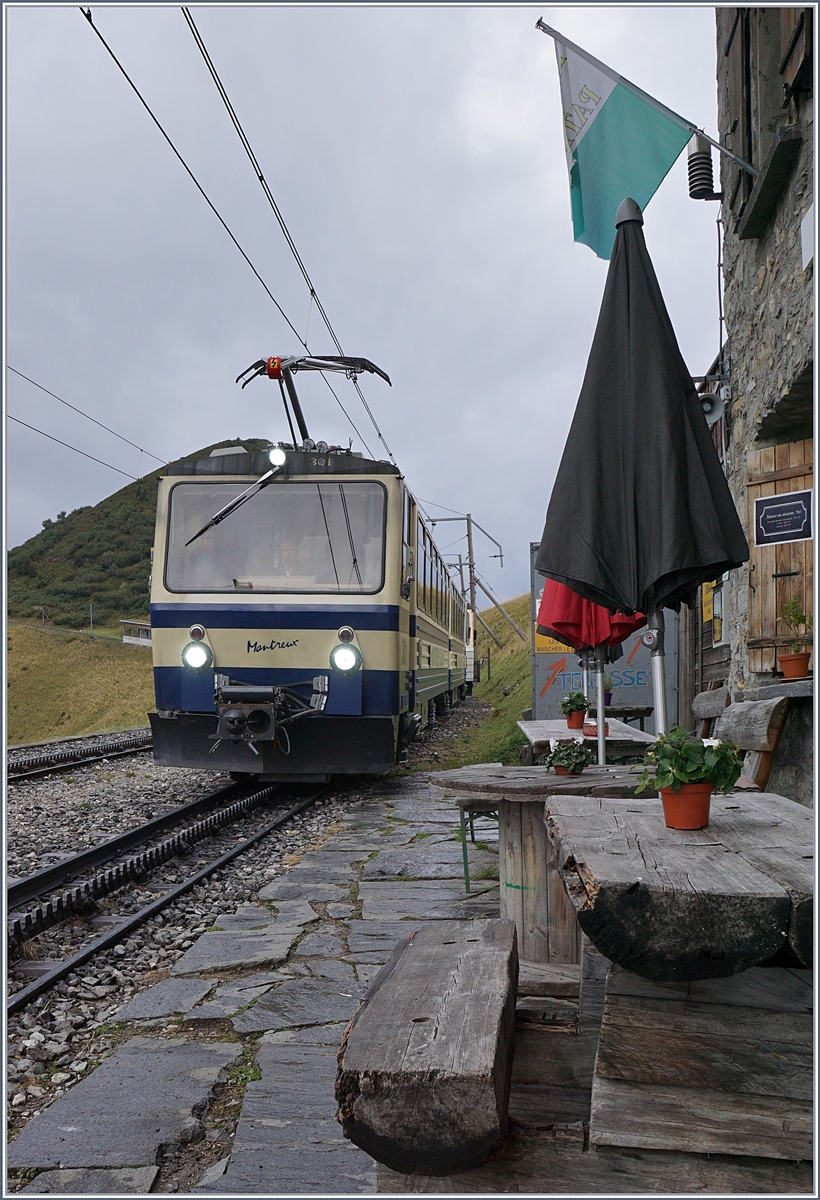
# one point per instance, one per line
(795, 663)
(574, 706)
(569, 757)
(686, 770)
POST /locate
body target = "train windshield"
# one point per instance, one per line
(289, 537)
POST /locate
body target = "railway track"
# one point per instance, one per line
(88, 883)
(33, 762)
(122, 928)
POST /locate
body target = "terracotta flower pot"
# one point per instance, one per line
(575, 720)
(687, 808)
(795, 666)
(567, 771)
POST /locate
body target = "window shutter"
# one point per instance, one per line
(738, 131)
(796, 48)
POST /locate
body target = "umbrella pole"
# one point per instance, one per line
(654, 639)
(599, 664)
(585, 672)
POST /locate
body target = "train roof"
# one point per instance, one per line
(336, 462)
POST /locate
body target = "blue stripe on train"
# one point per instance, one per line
(367, 693)
(275, 616)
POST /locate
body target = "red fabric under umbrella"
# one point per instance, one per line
(581, 623)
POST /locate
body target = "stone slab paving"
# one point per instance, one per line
(302, 1002)
(254, 936)
(423, 860)
(133, 1181)
(292, 967)
(169, 998)
(426, 900)
(136, 1101)
(287, 1141)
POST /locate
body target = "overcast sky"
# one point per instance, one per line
(416, 155)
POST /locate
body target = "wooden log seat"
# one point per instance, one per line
(684, 905)
(425, 1065)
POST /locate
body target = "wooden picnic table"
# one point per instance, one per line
(532, 892)
(625, 712)
(623, 741)
(674, 905)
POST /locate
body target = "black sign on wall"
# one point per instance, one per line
(783, 518)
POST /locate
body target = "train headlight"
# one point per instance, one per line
(277, 457)
(197, 656)
(345, 659)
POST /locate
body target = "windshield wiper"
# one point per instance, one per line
(234, 504)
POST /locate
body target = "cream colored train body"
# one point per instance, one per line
(310, 632)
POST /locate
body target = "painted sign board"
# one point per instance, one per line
(556, 668)
(783, 518)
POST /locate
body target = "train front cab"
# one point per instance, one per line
(260, 632)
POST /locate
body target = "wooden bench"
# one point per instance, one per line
(424, 1070)
(754, 726)
(723, 1066)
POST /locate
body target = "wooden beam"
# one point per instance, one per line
(785, 473)
(425, 1064)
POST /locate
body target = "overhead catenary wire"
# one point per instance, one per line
(87, 14)
(243, 137)
(74, 448)
(87, 416)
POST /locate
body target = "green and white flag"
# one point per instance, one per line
(619, 142)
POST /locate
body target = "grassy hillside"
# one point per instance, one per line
(508, 690)
(61, 684)
(100, 555)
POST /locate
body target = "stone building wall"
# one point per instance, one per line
(768, 297)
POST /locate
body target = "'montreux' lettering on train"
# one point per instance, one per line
(256, 648)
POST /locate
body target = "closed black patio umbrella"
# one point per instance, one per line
(640, 513)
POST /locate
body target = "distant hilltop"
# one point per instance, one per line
(99, 554)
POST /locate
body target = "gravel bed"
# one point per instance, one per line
(50, 818)
(66, 1033)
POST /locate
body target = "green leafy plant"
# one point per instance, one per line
(679, 757)
(570, 754)
(797, 623)
(609, 683)
(573, 702)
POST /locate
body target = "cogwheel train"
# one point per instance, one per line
(304, 624)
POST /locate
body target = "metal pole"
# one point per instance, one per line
(584, 656)
(91, 618)
(599, 656)
(461, 573)
(654, 639)
(471, 561)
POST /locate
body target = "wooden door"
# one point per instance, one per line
(782, 572)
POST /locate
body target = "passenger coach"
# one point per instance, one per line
(303, 622)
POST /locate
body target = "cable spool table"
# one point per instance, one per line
(531, 889)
